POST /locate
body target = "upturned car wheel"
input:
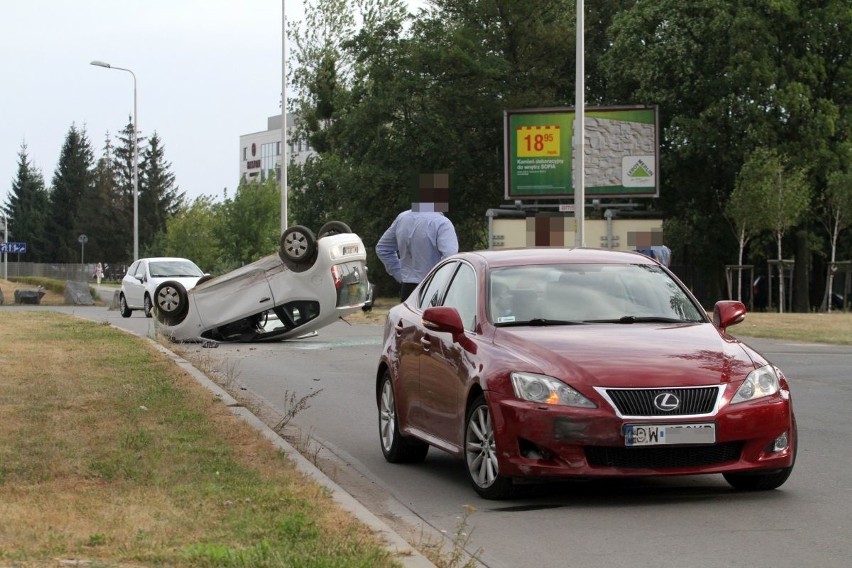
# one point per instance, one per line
(480, 452)
(171, 303)
(148, 306)
(122, 307)
(333, 228)
(395, 447)
(298, 248)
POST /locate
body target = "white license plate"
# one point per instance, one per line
(667, 434)
(352, 249)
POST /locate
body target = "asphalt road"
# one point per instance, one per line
(688, 522)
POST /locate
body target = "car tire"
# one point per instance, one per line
(122, 307)
(171, 303)
(333, 228)
(395, 447)
(480, 451)
(148, 306)
(298, 248)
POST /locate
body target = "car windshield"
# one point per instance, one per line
(174, 269)
(571, 294)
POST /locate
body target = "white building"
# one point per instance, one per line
(260, 152)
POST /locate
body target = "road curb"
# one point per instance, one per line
(403, 552)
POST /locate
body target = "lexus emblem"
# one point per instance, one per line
(666, 402)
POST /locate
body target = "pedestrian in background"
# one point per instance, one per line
(99, 272)
(420, 237)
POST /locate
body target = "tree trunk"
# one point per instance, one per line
(781, 286)
(801, 272)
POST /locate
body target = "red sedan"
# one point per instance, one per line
(544, 364)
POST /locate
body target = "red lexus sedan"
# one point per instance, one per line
(541, 364)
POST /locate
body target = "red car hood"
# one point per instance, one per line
(628, 355)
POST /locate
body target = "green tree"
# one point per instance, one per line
(191, 233)
(105, 222)
(746, 219)
(123, 165)
(159, 197)
(26, 209)
(72, 182)
(837, 217)
(781, 193)
(250, 223)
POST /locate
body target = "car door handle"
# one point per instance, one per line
(266, 299)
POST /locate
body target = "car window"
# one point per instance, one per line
(588, 293)
(461, 295)
(433, 292)
(132, 270)
(140, 270)
(173, 269)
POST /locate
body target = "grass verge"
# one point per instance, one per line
(111, 455)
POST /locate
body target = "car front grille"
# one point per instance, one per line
(640, 402)
(663, 457)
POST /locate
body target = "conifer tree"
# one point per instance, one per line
(27, 209)
(72, 180)
(159, 197)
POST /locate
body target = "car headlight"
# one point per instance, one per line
(547, 390)
(758, 384)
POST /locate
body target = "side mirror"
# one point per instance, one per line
(727, 313)
(445, 319)
(448, 320)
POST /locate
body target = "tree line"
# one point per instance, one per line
(744, 89)
(754, 115)
(94, 198)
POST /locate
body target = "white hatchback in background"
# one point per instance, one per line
(142, 278)
(312, 282)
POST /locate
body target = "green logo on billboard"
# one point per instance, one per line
(640, 170)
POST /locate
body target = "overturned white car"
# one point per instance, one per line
(309, 284)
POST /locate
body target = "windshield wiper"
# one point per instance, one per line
(641, 319)
(538, 322)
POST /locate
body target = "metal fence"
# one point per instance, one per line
(75, 272)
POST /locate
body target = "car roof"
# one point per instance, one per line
(166, 259)
(497, 258)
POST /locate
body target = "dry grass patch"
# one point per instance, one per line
(834, 328)
(111, 454)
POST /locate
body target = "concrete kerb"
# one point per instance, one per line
(403, 552)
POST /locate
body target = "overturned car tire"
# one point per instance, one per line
(333, 228)
(298, 248)
(171, 303)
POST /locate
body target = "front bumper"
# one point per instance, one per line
(544, 441)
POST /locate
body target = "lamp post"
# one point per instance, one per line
(135, 159)
(283, 115)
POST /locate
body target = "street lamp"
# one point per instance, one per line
(135, 159)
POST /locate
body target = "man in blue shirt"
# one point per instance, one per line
(420, 237)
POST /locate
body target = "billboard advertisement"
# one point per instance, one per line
(621, 151)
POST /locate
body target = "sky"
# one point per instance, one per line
(207, 71)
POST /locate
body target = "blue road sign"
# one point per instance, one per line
(13, 248)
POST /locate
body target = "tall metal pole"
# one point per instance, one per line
(135, 158)
(580, 133)
(283, 116)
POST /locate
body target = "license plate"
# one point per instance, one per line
(667, 434)
(351, 249)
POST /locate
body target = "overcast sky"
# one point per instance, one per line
(206, 71)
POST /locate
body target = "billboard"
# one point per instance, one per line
(621, 152)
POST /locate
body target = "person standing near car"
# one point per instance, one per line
(420, 237)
